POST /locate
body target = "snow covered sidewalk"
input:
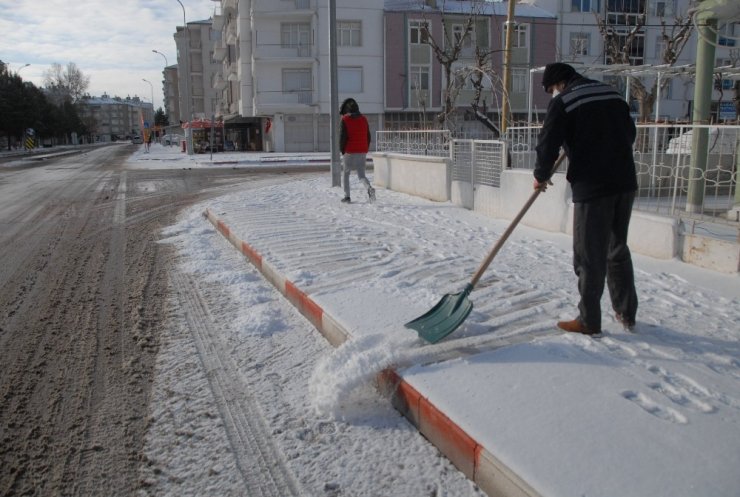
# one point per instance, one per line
(653, 413)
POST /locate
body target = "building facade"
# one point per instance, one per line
(580, 42)
(171, 91)
(115, 118)
(262, 66)
(274, 79)
(195, 69)
(415, 82)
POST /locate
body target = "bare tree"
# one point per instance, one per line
(618, 45)
(65, 83)
(448, 50)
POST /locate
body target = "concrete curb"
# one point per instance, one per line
(469, 456)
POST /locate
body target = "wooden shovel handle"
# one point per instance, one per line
(500, 243)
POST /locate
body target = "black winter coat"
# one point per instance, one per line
(592, 123)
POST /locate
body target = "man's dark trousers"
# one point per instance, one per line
(600, 252)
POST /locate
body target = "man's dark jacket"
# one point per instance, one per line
(592, 123)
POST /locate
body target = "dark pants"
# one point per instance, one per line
(600, 252)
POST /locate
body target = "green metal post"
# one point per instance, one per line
(703, 87)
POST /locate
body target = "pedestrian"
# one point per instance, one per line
(592, 123)
(354, 143)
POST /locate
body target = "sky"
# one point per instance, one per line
(111, 42)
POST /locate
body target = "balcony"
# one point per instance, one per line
(231, 72)
(218, 22)
(218, 82)
(219, 51)
(270, 8)
(282, 53)
(289, 99)
(231, 36)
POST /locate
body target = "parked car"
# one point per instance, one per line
(137, 140)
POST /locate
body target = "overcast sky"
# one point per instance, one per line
(110, 41)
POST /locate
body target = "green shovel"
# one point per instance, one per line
(451, 311)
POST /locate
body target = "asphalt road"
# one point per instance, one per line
(83, 289)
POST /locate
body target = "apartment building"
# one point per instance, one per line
(274, 82)
(195, 68)
(415, 82)
(580, 42)
(171, 92)
(115, 118)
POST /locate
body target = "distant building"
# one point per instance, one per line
(115, 118)
(273, 84)
(171, 90)
(195, 70)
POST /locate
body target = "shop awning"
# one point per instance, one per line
(203, 124)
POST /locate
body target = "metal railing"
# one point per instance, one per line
(479, 162)
(434, 143)
(672, 180)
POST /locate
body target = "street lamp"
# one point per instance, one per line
(21, 68)
(151, 86)
(165, 58)
(186, 74)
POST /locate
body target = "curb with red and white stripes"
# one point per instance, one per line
(469, 456)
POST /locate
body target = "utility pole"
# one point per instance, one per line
(334, 96)
(186, 77)
(510, 26)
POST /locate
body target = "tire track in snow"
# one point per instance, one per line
(259, 460)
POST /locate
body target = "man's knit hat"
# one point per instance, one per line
(555, 73)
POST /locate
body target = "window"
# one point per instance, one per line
(584, 6)
(349, 33)
(663, 8)
(419, 77)
(298, 82)
(626, 6)
(349, 79)
(518, 80)
(728, 30)
(458, 32)
(521, 36)
(580, 43)
(295, 34)
(724, 84)
(417, 32)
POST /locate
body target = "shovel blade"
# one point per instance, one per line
(443, 318)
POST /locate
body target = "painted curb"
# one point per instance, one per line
(470, 457)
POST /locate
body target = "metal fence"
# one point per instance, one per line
(673, 181)
(479, 162)
(435, 143)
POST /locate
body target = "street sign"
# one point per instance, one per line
(30, 131)
(146, 124)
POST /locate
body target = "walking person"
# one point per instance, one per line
(354, 143)
(592, 123)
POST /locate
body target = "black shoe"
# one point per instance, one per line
(629, 324)
(371, 194)
(346, 200)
